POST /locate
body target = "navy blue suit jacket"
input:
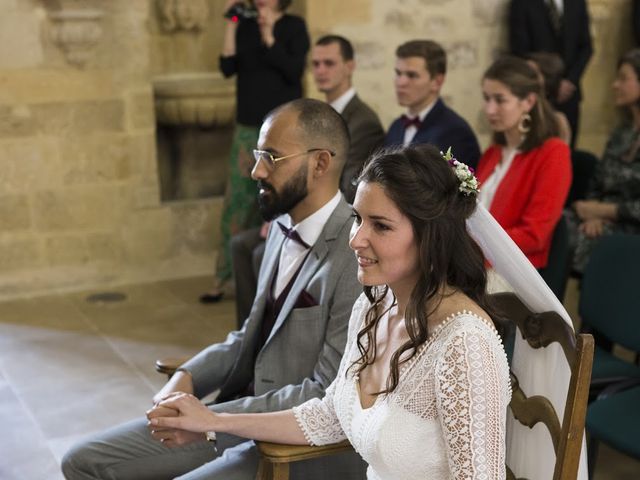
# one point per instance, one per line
(443, 128)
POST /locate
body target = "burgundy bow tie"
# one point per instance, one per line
(293, 235)
(407, 122)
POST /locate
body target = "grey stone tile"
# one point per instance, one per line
(75, 383)
(143, 355)
(25, 454)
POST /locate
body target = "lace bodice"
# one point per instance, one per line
(445, 420)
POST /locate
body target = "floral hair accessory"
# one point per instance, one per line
(464, 173)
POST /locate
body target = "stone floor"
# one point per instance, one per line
(69, 367)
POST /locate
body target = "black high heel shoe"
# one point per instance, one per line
(211, 297)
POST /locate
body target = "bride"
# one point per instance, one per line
(423, 387)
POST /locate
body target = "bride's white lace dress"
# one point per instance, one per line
(446, 418)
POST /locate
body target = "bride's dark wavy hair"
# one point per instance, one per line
(425, 189)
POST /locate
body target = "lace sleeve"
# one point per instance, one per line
(472, 394)
(318, 421)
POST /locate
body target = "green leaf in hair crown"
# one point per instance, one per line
(464, 173)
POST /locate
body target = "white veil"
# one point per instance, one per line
(545, 371)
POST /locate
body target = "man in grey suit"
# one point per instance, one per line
(290, 347)
(333, 64)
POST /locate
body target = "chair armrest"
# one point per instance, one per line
(169, 365)
(281, 453)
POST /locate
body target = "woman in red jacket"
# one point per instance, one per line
(525, 174)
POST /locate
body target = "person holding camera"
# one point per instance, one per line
(265, 49)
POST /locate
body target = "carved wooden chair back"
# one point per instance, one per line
(540, 330)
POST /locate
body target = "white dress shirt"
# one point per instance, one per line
(491, 184)
(293, 254)
(559, 5)
(411, 130)
(341, 102)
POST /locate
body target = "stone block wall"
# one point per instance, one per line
(79, 192)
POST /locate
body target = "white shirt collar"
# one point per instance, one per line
(341, 102)
(559, 5)
(311, 227)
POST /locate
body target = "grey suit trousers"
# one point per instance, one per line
(127, 452)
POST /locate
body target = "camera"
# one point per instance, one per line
(240, 11)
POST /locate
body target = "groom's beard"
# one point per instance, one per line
(273, 204)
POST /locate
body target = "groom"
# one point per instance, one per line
(290, 346)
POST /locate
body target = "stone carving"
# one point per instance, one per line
(462, 54)
(189, 15)
(369, 55)
(438, 27)
(403, 21)
(76, 32)
(202, 99)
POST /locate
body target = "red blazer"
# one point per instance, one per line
(529, 200)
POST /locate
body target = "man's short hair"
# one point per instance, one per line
(346, 49)
(320, 124)
(434, 55)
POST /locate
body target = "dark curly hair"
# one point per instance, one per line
(425, 189)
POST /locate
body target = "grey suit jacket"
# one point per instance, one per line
(302, 355)
(366, 134)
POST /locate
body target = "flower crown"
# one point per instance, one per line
(468, 181)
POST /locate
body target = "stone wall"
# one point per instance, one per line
(79, 190)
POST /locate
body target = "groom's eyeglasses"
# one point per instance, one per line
(270, 161)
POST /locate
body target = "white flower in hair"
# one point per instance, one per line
(464, 173)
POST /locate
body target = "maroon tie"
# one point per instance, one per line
(407, 122)
(293, 235)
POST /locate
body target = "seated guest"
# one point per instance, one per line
(332, 65)
(613, 197)
(290, 347)
(423, 387)
(550, 68)
(525, 174)
(420, 69)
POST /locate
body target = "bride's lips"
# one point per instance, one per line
(365, 261)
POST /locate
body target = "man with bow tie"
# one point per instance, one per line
(420, 70)
(290, 346)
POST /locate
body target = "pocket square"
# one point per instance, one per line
(305, 300)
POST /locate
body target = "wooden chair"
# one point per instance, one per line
(539, 330)
(168, 366)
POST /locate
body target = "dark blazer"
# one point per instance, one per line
(301, 357)
(366, 134)
(531, 30)
(443, 128)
